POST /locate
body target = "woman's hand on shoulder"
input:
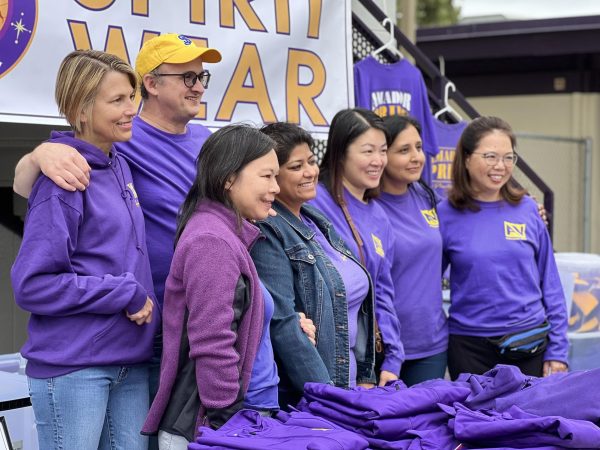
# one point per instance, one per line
(308, 327)
(63, 165)
(541, 210)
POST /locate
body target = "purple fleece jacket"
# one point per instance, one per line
(211, 255)
(82, 264)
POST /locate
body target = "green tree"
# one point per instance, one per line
(436, 13)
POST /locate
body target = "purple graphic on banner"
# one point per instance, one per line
(18, 19)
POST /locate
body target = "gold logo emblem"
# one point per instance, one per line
(431, 217)
(378, 246)
(515, 231)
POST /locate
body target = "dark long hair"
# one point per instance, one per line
(396, 125)
(347, 125)
(224, 154)
(461, 194)
(287, 136)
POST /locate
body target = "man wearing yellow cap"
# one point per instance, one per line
(161, 152)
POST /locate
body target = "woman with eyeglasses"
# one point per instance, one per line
(507, 303)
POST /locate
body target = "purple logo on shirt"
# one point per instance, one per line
(18, 19)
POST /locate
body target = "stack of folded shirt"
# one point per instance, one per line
(247, 429)
(515, 428)
(573, 395)
(386, 416)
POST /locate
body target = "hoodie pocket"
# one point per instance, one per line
(105, 329)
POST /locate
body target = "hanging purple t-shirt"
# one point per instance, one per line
(262, 390)
(163, 166)
(356, 284)
(447, 135)
(417, 272)
(396, 89)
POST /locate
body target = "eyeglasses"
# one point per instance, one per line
(189, 78)
(493, 158)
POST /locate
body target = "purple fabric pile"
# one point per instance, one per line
(501, 409)
(247, 429)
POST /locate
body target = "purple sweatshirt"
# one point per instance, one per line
(565, 394)
(163, 168)
(249, 430)
(82, 265)
(210, 257)
(520, 429)
(417, 272)
(503, 276)
(376, 233)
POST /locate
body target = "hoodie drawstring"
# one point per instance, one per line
(127, 197)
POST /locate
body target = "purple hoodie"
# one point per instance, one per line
(82, 265)
(249, 430)
(520, 429)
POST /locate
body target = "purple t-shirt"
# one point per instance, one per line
(503, 276)
(376, 233)
(262, 390)
(447, 135)
(163, 166)
(396, 89)
(417, 272)
(356, 284)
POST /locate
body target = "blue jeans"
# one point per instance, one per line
(94, 408)
(415, 371)
(153, 377)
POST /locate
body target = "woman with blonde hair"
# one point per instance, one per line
(83, 274)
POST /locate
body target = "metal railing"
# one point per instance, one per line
(436, 92)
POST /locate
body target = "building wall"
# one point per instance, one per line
(15, 141)
(560, 165)
(13, 320)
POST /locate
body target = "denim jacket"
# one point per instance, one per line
(301, 278)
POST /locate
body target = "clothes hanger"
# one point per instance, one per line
(447, 108)
(390, 43)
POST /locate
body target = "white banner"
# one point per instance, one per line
(285, 60)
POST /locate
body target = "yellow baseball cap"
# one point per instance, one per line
(171, 48)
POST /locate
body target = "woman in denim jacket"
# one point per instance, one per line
(307, 268)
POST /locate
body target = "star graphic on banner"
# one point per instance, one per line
(20, 28)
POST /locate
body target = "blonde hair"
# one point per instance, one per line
(79, 78)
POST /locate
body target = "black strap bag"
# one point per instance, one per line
(523, 344)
